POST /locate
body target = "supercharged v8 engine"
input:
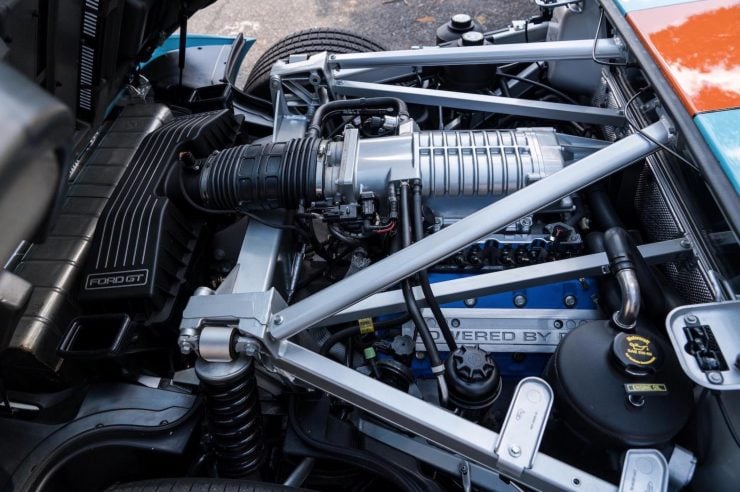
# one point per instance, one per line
(497, 263)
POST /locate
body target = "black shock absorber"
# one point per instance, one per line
(233, 415)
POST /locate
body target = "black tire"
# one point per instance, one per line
(308, 42)
(200, 485)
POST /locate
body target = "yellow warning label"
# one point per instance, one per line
(366, 326)
(639, 350)
(646, 388)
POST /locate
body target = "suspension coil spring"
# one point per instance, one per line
(233, 415)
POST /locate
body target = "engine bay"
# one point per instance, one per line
(442, 268)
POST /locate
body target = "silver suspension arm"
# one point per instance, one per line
(442, 244)
(497, 53)
(440, 426)
(483, 102)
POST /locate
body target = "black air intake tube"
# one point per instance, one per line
(465, 167)
(257, 177)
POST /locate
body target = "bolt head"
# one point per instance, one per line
(691, 319)
(520, 300)
(251, 349)
(470, 302)
(278, 319)
(570, 301)
(515, 451)
(715, 377)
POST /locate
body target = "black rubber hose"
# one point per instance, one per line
(609, 296)
(338, 337)
(437, 311)
(602, 209)
(355, 330)
(420, 324)
(373, 464)
(424, 275)
(314, 129)
(619, 249)
(621, 253)
(658, 299)
(408, 294)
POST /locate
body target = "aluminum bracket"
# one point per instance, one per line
(644, 469)
(524, 426)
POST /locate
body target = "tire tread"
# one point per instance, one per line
(309, 42)
(200, 485)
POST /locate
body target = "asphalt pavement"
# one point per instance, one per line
(395, 24)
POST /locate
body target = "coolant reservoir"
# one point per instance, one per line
(620, 389)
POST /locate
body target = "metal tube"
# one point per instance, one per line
(391, 301)
(626, 317)
(432, 249)
(489, 54)
(482, 102)
(301, 472)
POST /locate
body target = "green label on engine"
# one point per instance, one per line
(646, 389)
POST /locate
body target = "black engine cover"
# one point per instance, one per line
(143, 244)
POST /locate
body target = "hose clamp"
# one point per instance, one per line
(204, 174)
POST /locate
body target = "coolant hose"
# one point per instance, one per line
(424, 276)
(621, 256)
(658, 298)
(408, 294)
(602, 209)
(314, 128)
(609, 297)
(356, 330)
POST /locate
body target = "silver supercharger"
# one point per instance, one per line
(460, 171)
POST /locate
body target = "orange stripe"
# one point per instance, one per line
(697, 46)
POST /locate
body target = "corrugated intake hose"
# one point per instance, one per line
(257, 177)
